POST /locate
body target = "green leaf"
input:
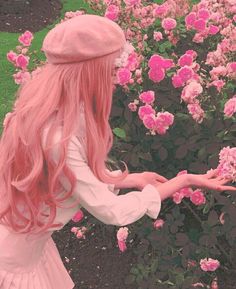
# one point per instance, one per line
(119, 132)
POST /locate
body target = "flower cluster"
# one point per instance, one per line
(227, 163)
(79, 232)
(21, 60)
(209, 264)
(196, 196)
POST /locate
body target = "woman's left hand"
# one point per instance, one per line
(144, 178)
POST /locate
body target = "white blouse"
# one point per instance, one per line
(98, 198)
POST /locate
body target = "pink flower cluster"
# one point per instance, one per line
(70, 14)
(227, 163)
(122, 235)
(21, 60)
(155, 123)
(230, 106)
(196, 196)
(128, 61)
(209, 17)
(168, 23)
(157, 35)
(79, 232)
(209, 264)
(187, 75)
(158, 66)
(26, 38)
(78, 216)
(112, 12)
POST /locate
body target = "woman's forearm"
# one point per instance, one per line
(168, 188)
(128, 182)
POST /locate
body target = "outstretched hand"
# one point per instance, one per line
(211, 180)
(144, 178)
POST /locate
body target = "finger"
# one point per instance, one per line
(161, 178)
(211, 174)
(227, 188)
(225, 181)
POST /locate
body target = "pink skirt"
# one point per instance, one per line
(31, 262)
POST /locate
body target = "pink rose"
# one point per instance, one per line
(26, 38)
(158, 223)
(132, 106)
(157, 74)
(112, 12)
(147, 96)
(78, 216)
(158, 36)
(185, 73)
(177, 197)
(80, 234)
(122, 234)
(200, 25)
(145, 109)
(192, 53)
(209, 264)
(149, 121)
(74, 229)
(161, 10)
(230, 106)
(123, 76)
(22, 61)
(196, 111)
(177, 81)
(21, 77)
(11, 56)
(168, 23)
(190, 19)
(197, 197)
(213, 29)
(185, 59)
(155, 61)
(203, 14)
(132, 2)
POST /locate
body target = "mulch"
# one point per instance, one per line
(32, 15)
(94, 262)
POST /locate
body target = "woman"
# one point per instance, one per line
(54, 151)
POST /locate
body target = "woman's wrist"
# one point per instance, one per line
(167, 189)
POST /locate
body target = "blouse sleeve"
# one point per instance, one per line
(96, 197)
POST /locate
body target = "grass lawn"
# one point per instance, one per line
(8, 41)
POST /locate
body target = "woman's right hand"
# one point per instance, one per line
(211, 181)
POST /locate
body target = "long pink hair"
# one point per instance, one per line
(28, 175)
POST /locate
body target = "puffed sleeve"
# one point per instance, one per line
(96, 197)
(111, 187)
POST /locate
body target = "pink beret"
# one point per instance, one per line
(82, 37)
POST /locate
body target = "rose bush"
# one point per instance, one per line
(181, 59)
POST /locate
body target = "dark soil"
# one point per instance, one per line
(32, 15)
(96, 261)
